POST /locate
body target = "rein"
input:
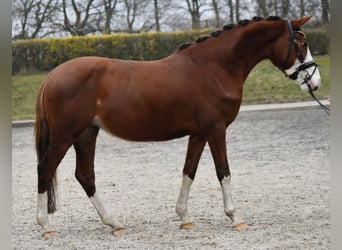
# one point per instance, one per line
(323, 107)
(303, 67)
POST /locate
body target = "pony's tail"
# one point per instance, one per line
(42, 140)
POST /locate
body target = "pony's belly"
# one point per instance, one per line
(142, 131)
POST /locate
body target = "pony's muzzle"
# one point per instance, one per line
(311, 85)
(315, 83)
(315, 88)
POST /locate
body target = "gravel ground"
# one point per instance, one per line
(280, 183)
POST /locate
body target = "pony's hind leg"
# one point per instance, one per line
(195, 148)
(85, 153)
(47, 184)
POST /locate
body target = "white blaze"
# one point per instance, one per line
(315, 80)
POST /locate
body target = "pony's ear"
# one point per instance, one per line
(297, 23)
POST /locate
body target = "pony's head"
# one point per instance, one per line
(298, 63)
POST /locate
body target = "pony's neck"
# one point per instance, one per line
(256, 43)
(240, 49)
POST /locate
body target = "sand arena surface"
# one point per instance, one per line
(280, 183)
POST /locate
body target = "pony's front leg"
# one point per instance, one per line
(182, 203)
(217, 144)
(195, 148)
(106, 219)
(229, 207)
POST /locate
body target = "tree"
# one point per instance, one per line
(131, 11)
(217, 13)
(234, 10)
(138, 12)
(262, 8)
(306, 7)
(325, 11)
(156, 15)
(284, 8)
(273, 7)
(237, 10)
(162, 13)
(82, 17)
(109, 9)
(302, 8)
(194, 10)
(41, 18)
(31, 17)
(231, 10)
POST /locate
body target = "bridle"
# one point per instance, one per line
(300, 55)
(303, 66)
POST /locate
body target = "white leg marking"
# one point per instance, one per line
(105, 217)
(229, 208)
(182, 202)
(42, 213)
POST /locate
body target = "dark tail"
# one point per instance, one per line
(42, 137)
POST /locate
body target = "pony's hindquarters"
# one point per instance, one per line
(66, 106)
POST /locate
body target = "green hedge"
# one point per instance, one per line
(319, 41)
(45, 54)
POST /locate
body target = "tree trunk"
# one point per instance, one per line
(302, 8)
(81, 26)
(156, 15)
(109, 7)
(325, 11)
(131, 9)
(231, 10)
(217, 14)
(193, 9)
(285, 8)
(275, 6)
(262, 8)
(237, 10)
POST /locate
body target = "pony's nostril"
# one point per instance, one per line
(315, 88)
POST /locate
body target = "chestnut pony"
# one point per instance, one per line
(194, 92)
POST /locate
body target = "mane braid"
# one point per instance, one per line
(227, 27)
(184, 46)
(273, 18)
(201, 39)
(257, 18)
(244, 22)
(216, 33)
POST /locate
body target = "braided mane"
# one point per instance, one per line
(227, 27)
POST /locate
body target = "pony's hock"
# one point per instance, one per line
(194, 92)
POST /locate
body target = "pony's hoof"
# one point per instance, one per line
(49, 234)
(187, 226)
(241, 227)
(119, 231)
